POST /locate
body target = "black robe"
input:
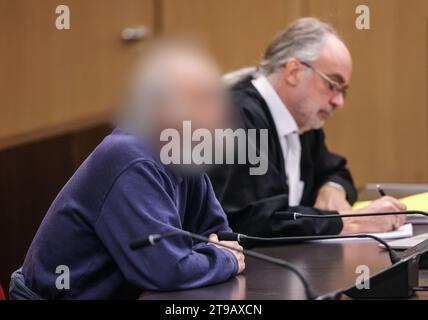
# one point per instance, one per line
(251, 200)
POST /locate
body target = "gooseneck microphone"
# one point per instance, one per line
(151, 240)
(289, 215)
(246, 240)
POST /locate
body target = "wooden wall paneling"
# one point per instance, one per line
(30, 177)
(411, 108)
(52, 78)
(383, 128)
(237, 32)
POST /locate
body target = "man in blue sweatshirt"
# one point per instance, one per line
(123, 191)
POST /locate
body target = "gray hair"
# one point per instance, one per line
(303, 40)
(150, 88)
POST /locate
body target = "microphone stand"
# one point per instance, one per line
(249, 240)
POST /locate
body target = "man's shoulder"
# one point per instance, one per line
(119, 153)
(248, 102)
(122, 144)
(120, 149)
(245, 91)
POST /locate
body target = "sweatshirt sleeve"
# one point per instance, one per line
(142, 201)
(257, 218)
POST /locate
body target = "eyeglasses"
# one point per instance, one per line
(333, 85)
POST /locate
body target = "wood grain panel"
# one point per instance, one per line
(383, 128)
(236, 31)
(51, 79)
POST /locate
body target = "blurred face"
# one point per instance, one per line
(317, 93)
(199, 96)
(194, 93)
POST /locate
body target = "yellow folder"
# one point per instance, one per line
(414, 202)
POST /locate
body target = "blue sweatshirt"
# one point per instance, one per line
(122, 192)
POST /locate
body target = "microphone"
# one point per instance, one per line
(152, 239)
(289, 215)
(244, 239)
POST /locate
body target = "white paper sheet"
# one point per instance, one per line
(405, 231)
(403, 244)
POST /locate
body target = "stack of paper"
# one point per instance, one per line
(403, 244)
(405, 231)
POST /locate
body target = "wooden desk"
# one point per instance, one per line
(328, 267)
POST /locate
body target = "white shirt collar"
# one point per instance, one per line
(284, 121)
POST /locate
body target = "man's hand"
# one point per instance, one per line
(379, 223)
(332, 199)
(238, 255)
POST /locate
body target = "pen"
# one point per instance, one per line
(381, 192)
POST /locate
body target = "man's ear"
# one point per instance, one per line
(292, 72)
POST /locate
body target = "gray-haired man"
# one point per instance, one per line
(301, 81)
